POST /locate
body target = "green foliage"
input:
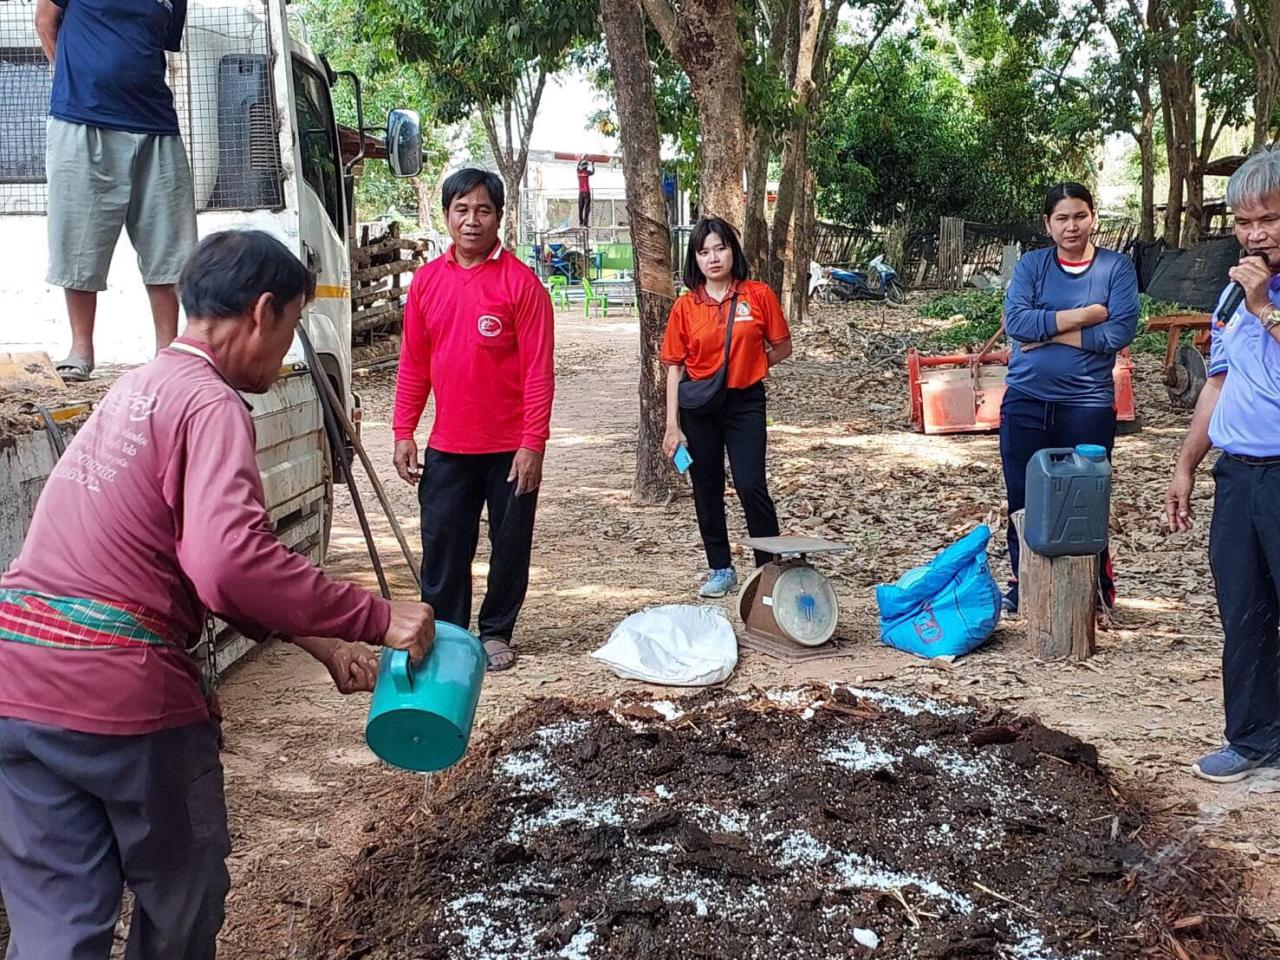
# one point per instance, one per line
(478, 51)
(333, 30)
(980, 311)
(975, 123)
(899, 139)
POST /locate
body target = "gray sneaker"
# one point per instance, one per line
(719, 583)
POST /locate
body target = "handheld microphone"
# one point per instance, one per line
(1235, 295)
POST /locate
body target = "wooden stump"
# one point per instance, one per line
(1057, 597)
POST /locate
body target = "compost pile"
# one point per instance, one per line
(818, 822)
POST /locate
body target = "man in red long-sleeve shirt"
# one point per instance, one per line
(479, 332)
(109, 770)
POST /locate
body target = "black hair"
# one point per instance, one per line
(1067, 190)
(227, 273)
(723, 229)
(467, 179)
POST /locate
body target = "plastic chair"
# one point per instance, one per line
(592, 297)
(558, 287)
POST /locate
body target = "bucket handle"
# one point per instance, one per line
(401, 674)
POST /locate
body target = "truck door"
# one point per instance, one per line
(323, 221)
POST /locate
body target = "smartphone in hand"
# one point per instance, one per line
(681, 458)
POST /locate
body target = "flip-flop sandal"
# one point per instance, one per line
(496, 649)
(73, 369)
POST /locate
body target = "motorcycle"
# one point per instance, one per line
(837, 285)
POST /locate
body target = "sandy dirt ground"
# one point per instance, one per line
(305, 795)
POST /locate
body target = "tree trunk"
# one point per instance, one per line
(425, 202)
(755, 238)
(1147, 155)
(1197, 223)
(1193, 213)
(720, 189)
(805, 27)
(788, 258)
(1258, 27)
(1178, 151)
(511, 178)
(804, 223)
(624, 31)
(704, 40)
(1176, 77)
(1264, 99)
(510, 146)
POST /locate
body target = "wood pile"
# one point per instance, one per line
(382, 266)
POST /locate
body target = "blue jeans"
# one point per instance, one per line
(1027, 426)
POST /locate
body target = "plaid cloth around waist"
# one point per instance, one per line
(77, 623)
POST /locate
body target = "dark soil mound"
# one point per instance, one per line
(805, 824)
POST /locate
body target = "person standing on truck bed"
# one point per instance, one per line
(109, 770)
(114, 158)
(479, 331)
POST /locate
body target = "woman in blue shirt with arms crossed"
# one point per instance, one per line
(1069, 310)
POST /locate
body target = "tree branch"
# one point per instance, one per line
(491, 131)
(663, 17)
(527, 131)
(871, 45)
(506, 117)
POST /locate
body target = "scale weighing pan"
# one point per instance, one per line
(787, 599)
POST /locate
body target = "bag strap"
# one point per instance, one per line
(728, 333)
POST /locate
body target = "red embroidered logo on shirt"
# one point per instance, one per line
(489, 325)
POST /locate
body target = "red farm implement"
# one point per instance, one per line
(962, 392)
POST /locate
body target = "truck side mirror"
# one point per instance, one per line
(404, 143)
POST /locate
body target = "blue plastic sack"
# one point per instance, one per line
(946, 608)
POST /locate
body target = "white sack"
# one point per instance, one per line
(677, 645)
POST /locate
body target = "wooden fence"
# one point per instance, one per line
(382, 264)
(960, 250)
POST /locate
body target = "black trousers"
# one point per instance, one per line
(454, 489)
(584, 208)
(739, 427)
(1244, 553)
(1027, 426)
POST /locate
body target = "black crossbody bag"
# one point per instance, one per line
(705, 397)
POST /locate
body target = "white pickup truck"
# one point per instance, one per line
(257, 118)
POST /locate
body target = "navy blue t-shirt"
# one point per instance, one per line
(110, 69)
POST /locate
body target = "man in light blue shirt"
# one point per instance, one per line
(1239, 413)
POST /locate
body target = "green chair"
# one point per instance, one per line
(558, 287)
(592, 297)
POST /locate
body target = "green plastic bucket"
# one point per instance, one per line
(420, 717)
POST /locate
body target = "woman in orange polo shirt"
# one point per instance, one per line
(715, 272)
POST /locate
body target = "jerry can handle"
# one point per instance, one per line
(401, 674)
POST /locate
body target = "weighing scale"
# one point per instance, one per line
(787, 607)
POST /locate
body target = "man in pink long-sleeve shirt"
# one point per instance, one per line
(479, 332)
(109, 770)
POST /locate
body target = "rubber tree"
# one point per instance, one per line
(1257, 26)
(1122, 82)
(810, 27)
(624, 30)
(704, 38)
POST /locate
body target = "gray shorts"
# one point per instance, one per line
(101, 180)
